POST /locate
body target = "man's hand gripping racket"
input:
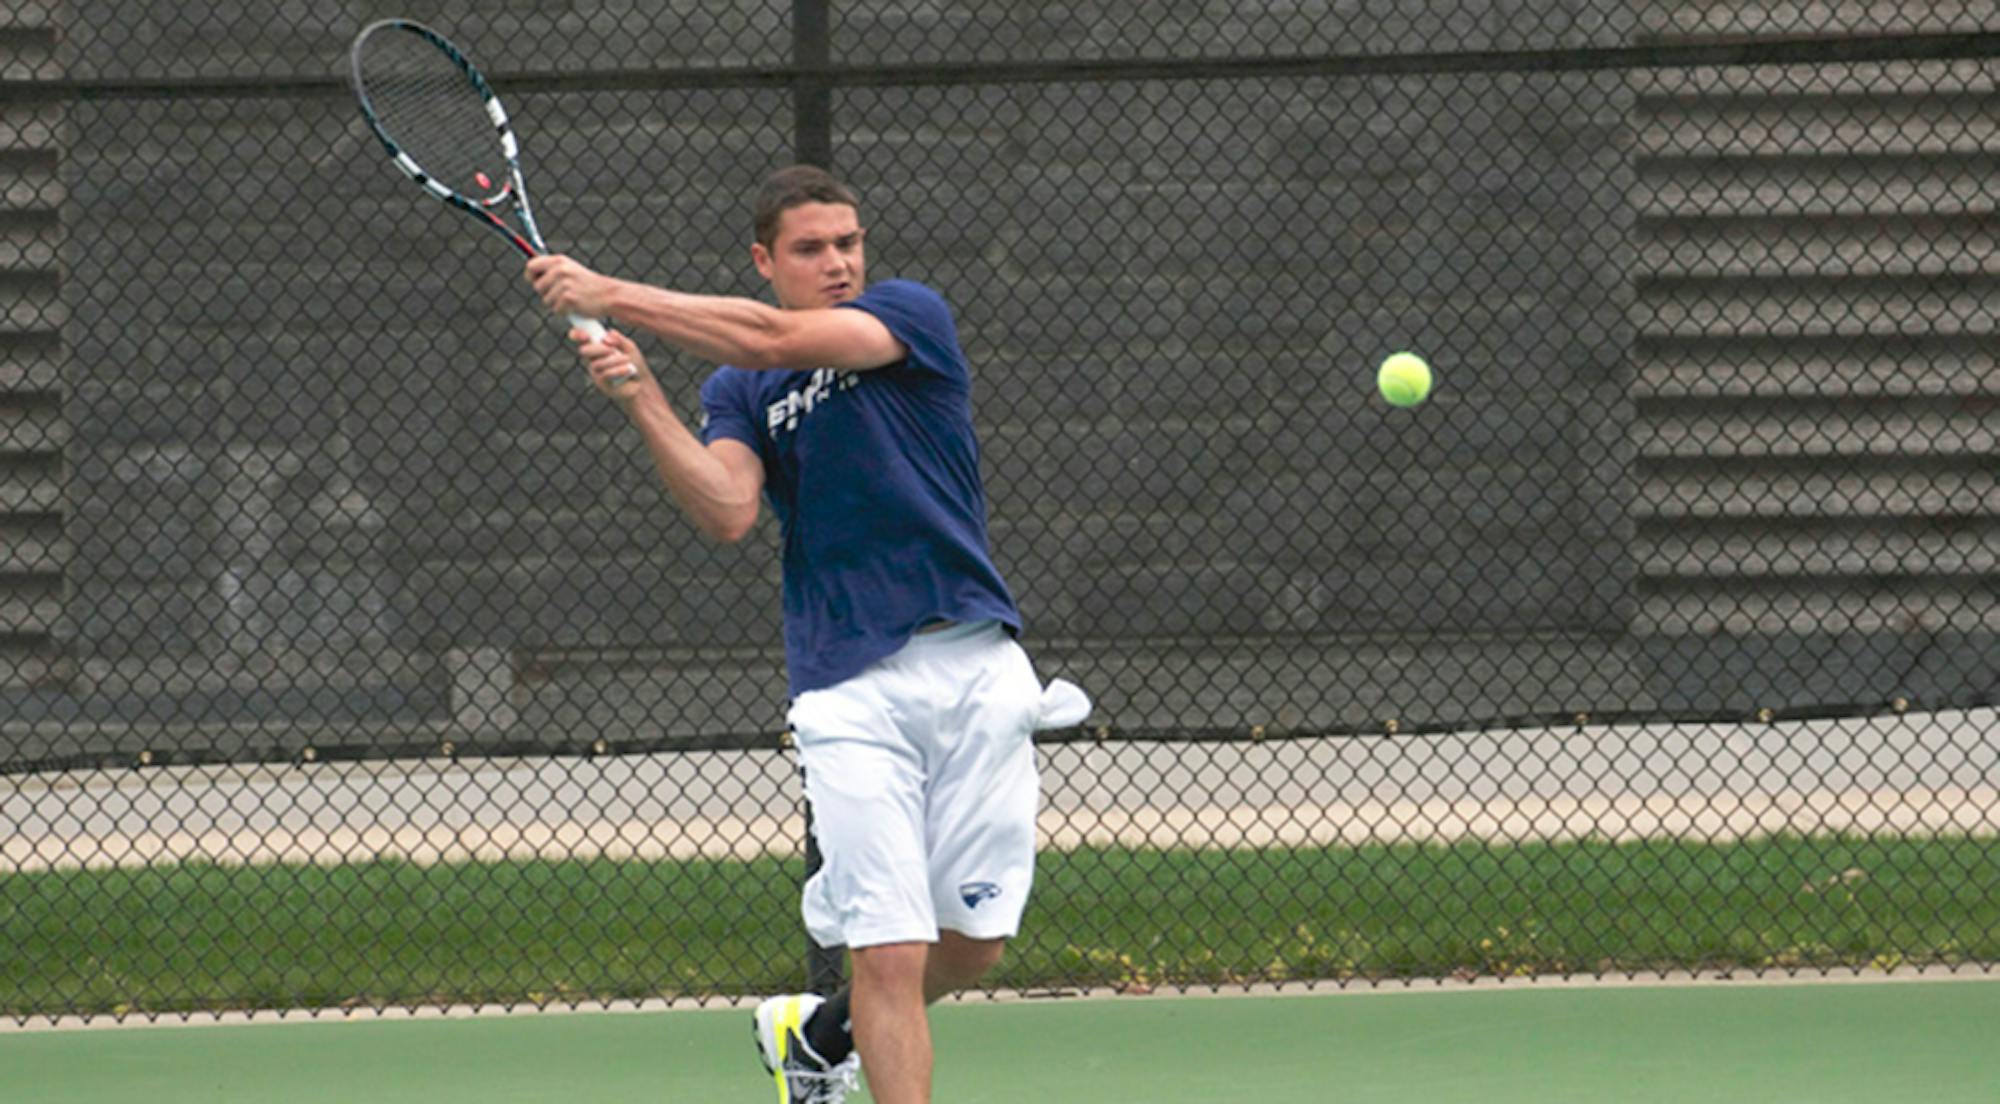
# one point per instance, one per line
(445, 129)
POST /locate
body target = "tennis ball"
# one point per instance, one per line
(1404, 379)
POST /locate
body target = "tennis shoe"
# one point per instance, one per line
(802, 1076)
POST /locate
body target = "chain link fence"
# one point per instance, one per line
(351, 656)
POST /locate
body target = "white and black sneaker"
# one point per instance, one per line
(802, 1076)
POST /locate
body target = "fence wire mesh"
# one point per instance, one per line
(351, 656)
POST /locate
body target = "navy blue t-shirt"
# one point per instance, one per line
(874, 476)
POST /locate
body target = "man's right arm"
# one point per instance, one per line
(717, 484)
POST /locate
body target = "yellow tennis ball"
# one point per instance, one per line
(1404, 379)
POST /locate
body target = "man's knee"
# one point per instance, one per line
(960, 961)
(892, 965)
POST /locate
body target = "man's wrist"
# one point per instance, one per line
(647, 404)
(613, 299)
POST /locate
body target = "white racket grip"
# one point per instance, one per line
(594, 330)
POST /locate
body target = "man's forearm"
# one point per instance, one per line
(698, 482)
(718, 329)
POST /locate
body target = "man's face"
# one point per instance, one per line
(815, 259)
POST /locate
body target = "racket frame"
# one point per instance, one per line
(528, 239)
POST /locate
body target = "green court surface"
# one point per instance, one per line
(1929, 1040)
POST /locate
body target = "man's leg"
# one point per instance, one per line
(974, 812)
(866, 787)
(956, 962)
(891, 1029)
(892, 985)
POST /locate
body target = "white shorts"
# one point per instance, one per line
(921, 775)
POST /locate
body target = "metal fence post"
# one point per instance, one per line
(826, 967)
(812, 144)
(812, 100)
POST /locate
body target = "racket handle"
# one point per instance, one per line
(594, 330)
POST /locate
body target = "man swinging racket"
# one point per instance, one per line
(912, 706)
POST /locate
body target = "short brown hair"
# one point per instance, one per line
(791, 187)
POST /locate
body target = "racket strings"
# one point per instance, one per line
(433, 112)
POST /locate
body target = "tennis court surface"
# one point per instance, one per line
(1810, 1043)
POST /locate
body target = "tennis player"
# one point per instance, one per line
(913, 708)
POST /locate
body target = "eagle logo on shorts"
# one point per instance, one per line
(974, 892)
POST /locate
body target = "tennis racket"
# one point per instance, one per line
(446, 130)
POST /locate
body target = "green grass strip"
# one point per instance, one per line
(202, 936)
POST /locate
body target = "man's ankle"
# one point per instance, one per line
(829, 1033)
